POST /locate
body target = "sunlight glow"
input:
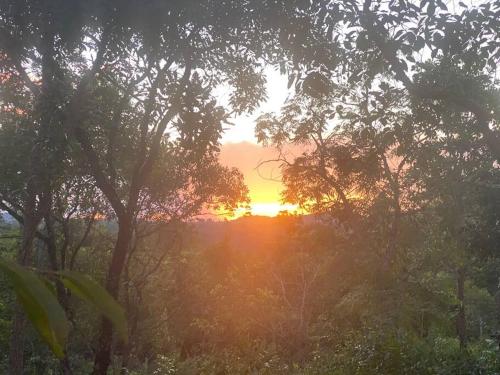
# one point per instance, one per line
(266, 209)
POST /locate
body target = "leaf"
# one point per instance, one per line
(90, 291)
(291, 79)
(442, 5)
(40, 305)
(362, 42)
(419, 43)
(431, 9)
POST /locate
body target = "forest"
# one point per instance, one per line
(128, 247)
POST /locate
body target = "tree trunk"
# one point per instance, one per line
(62, 297)
(132, 317)
(460, 322)
(24, 258)
(38, 200)
(16, 354)
(393, 236)
(103, 353)
(65, 365)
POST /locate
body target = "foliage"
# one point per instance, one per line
(38, 299)
(111, 116)
(40, 305)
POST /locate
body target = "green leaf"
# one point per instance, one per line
(40, 305)
(90, 291)
(362, 43)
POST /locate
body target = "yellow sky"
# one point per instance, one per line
(264, 182)
(246, 156)
(240, 150)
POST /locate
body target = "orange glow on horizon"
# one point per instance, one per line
(264, 183)
(265, 209)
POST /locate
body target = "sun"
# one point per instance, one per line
(264, 183)
(270, 209)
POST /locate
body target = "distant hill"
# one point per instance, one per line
(249, 232)
(245, 233)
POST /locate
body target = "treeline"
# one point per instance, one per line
(109, 143)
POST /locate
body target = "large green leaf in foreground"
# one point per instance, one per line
(40, 305)
(90, 291)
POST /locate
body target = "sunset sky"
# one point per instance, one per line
(240, 150)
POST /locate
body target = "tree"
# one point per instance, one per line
(354, 159)
(373, 40)
(363, 118)
(157, 64)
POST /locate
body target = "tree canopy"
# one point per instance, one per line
(110, 134)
